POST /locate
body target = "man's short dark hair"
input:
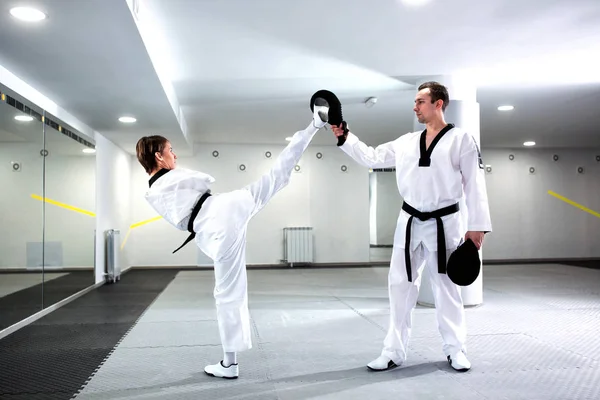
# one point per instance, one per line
(438, 92)
(146, 148)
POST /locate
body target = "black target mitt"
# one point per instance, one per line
(328, 99)
(463, 265)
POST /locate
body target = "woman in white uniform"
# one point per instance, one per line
(218, 224)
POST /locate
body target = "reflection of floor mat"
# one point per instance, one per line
(595, 264)
(19, 305)
(54, 356)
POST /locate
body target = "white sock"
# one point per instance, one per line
(229, 358)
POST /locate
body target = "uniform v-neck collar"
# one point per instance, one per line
(425, 157)
(157, 175)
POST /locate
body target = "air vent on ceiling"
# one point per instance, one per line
(11, 101)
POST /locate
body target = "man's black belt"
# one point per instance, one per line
(190, 226)
(441, 237)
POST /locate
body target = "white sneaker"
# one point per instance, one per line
(381, 363)
(459, 362)
(220, 371)
(321, 113)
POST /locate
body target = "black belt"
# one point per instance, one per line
(195, 212)
(441, 237)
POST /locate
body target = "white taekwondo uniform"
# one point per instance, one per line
(220, 228)
(428, 180)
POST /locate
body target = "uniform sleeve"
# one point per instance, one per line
(473, 176)
(382, 156)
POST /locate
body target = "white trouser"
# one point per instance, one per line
(221, 227)
(403, 298)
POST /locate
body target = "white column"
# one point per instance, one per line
(463, 111)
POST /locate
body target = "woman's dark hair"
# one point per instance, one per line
(146, 148)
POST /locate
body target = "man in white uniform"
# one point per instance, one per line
(219, 223)
(434, 169)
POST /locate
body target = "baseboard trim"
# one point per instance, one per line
(273, 266)
(539, 261)
(46, 311)
(370, 264)
(379, 246)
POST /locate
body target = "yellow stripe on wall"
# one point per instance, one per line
(63, 205)
(125, 240)
(91, 214)
(571, 202)
(137, 224)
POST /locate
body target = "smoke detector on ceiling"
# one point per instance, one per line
(370, 102)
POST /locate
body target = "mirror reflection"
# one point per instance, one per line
(48, 220)
(21, 219)
(69, 217)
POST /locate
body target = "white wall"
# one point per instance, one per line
(387, 205)
(113, 187)
(69, 180)
(21, 217)
(334, 203)
(528, 222)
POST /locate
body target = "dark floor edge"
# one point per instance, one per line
(20, 270)
(60, 353)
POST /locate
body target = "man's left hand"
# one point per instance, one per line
(476, 237)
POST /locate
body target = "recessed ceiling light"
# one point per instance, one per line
(127, 120)
(415, 2)
(506, 108)
(289, 138)
(24, 118)
(89, 150)
(529, 144)
(27, 14)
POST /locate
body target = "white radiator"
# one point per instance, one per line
(298, 244)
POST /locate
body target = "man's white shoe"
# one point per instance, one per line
(381, 363)
(220, 371)
(459, 362)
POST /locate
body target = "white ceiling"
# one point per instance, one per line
(243, 71)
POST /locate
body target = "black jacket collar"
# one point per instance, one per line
(157, 175)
